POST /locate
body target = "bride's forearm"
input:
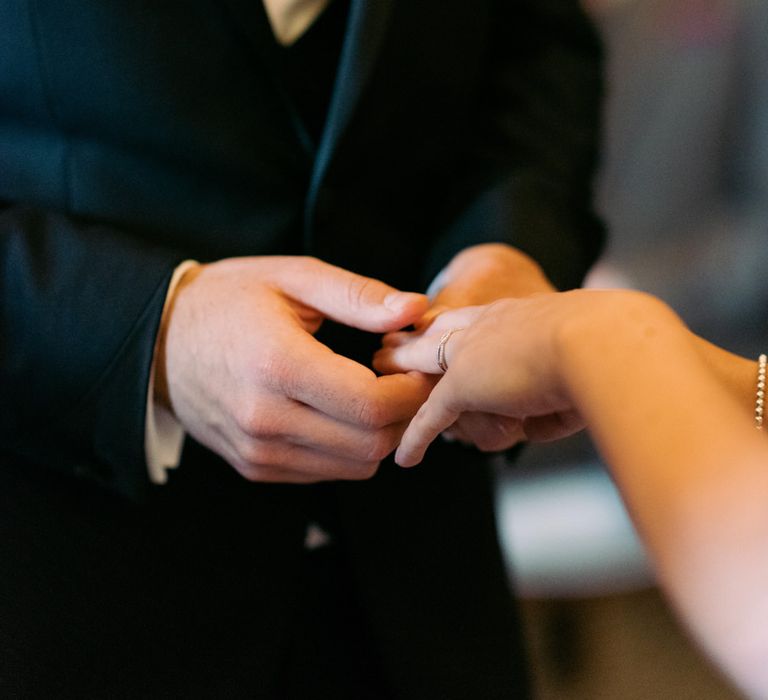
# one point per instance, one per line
(673, 418)
(648, 386)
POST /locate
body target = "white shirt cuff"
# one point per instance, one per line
(163, 433)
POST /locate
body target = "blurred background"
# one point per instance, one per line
(683, 188)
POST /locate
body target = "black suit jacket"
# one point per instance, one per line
(134, 134)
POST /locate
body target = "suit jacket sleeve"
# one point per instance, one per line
(530, 163)
(79, 309)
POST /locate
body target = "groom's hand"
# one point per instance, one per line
(238, 365)
(486, 273)
(481, 275)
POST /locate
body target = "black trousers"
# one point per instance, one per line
(333, 655)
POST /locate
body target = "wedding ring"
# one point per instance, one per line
(441, 363)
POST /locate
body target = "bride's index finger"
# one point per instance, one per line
(432, 418)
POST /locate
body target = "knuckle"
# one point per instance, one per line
(262, 425)
(484, 441)
(255, 456)
(479, 437)
(243, 414)
(486, 445)
(305, 265)
(373, 414)
(379, 446)
(363, 472)
(276, 371)
(357, 291)
(252, 472)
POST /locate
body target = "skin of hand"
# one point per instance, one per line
(238, 364)
(507, 363)
(672, 417)
(483, 274)
(501, 365)
(480, 275)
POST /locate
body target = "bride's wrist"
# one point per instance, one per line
(611, 324)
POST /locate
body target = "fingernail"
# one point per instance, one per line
(397, 301)
(448, 436)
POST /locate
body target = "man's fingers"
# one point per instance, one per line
(350, 392)
(280, 462)
(306, 427)
(349, 298)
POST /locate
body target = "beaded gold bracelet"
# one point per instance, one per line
(761, 364)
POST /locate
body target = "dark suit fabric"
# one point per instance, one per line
(135, 134)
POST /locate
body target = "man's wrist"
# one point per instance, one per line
(182, 276)
(163, 434)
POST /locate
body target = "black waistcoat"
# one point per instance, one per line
(136, 133)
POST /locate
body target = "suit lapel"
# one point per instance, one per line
(366, 26)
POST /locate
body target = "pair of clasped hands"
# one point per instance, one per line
(239, 366)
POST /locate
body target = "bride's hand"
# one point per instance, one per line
(502, 363)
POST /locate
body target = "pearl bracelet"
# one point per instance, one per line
(761, 364)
